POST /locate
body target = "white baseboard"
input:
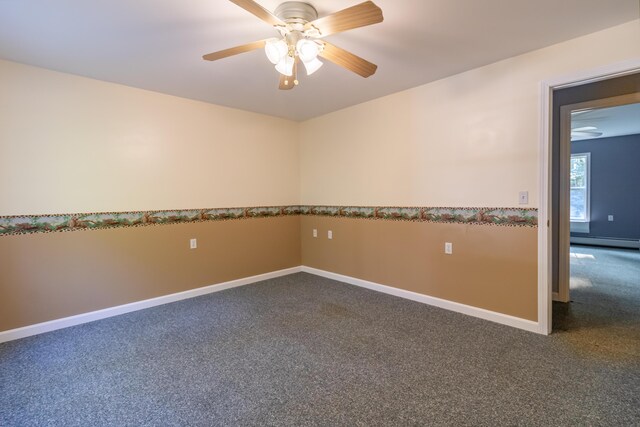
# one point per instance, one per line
(493, 316)
(39, 328)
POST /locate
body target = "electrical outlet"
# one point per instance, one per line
(315, 232)
(523, 197)
(448, 248)
(330, 234)
(610, 217)
(193, 243)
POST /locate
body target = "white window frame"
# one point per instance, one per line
(582, 225)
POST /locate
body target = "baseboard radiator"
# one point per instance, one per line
(606, 241)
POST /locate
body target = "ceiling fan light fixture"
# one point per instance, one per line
(285, 66)
(276, 50)
(312, 66)
(307, 50)
(300, 38)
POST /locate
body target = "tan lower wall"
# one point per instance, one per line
(46, 276)
(492, 267)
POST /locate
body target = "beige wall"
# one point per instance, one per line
(73, 144)
(467, 140)
(470, 140)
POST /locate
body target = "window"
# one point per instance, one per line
(579, 184)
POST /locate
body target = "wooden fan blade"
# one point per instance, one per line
(286, 82)
(259, 11)
(360, 15)
(234, 50)
(348, 60)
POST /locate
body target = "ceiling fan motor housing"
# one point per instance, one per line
(296, 12)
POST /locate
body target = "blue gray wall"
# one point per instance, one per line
(615, 185)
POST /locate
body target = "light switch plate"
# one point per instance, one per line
(523, 197)
(330, 234)
(610, 217)
(315, 232)
(193, 243)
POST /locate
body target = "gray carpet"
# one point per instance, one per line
(603, 318)
(303, 350)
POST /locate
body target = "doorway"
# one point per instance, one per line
(571, 107)
(598, 298)
(606, 82)
(610, 127)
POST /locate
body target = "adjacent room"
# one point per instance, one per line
(599, 301)
(256, 212)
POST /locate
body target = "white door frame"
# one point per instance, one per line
(544, 203)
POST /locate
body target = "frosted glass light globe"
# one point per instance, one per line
(276, 50)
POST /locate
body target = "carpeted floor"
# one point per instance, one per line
(603, 318)
(304, 350)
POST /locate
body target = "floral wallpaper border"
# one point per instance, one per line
(515, 217)
(27, 224)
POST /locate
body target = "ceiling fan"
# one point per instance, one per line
(300, 32)
(585, 132)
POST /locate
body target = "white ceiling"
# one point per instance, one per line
(158, 45)
(611, 121)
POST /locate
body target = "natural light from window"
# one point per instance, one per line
(579, 183)
(580, 283)
(581, 256)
